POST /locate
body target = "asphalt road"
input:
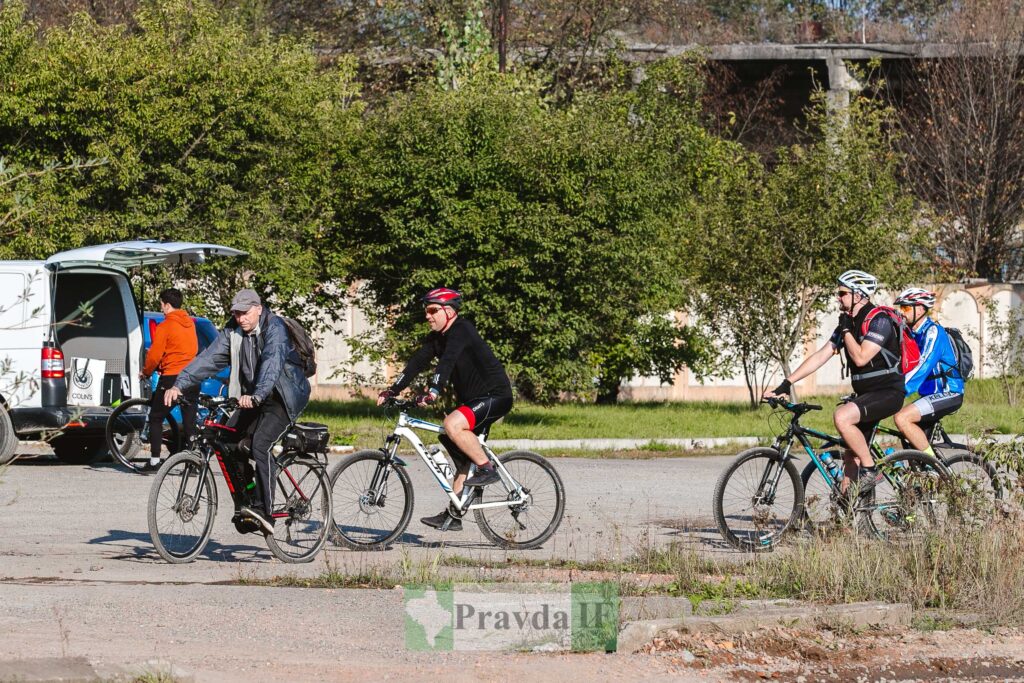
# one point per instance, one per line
(78, 575)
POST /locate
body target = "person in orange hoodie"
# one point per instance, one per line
(174, 346)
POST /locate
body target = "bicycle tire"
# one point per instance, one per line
(126, 444)
(985, 472)
(820, 503)
(511, 538)
(164, 513)
(905, 500)
(352, 489)
(756, 540)
(300, 535)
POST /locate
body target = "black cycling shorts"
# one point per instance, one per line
(481, 413)
(875, 406)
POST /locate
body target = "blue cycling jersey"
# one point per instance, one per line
(937, 372)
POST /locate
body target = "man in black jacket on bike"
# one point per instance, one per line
(873, 356)
(481, 387)
(266, 378)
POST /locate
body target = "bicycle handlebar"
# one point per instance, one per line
(791, 407)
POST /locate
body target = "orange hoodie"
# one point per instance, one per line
(174, 345)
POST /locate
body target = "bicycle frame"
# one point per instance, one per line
(797, 432)
(405, 430)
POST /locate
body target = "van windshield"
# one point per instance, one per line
(89, 312)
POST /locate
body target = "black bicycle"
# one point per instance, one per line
(127, 432)
(761, 496)
(183, 499)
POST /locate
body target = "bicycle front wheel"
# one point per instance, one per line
(301, 511)
(372, 501)
(906, 499)
(127, 433)
(758, 499)
(521, 526)
(182, 507)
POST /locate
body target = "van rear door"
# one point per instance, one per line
(94, 279)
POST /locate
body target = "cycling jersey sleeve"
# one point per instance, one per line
(880, 330)
(419, 362)
(837, 339)
(456, 342)
(930, 355)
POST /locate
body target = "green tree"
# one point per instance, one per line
(559, 224)
(210, 132)
(773, 240)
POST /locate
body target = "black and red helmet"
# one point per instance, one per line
(444, 297)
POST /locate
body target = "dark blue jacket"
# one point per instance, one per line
(278, 365)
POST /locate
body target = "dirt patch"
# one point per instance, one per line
(781, 654)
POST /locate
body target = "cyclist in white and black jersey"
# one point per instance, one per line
(936, 379)
(873, 357)
(480, 383)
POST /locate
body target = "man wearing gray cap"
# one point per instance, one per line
(267, 379)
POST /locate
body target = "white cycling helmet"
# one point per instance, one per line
(915, 296)
(859, 281)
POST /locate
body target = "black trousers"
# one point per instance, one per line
(158, 411)
(265, 425)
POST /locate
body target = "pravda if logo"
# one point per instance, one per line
(539, 617)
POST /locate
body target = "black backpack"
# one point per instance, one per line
(962, 351)
(303, 344)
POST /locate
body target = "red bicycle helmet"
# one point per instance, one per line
(444, 297)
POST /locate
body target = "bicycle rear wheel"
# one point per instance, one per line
(974, 488)
(758, 499)
(182, 507)
(127, 433)
(372, 501)
(906, 500)
(525, 525)
(301, 511)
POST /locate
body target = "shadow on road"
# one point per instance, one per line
(218, 552)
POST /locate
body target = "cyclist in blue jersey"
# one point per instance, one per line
(936, 379)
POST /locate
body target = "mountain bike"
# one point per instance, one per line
(373, 495)
(183, 499)
(975, 484)
(760, 497)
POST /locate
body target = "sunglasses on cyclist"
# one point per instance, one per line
(843, 292)
(432, 310)
(907, 308)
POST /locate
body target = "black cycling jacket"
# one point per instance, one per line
(464, 358)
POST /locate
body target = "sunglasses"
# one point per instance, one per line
(432, 310)
(843, 292)
(906, 308)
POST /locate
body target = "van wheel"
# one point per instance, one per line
(78, 451)
(8, 439)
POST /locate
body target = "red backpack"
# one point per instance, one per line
(910, 355)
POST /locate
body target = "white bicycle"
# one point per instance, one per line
(373, 495)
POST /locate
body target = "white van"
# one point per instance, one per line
(71, 341)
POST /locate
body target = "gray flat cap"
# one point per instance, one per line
(244, 300)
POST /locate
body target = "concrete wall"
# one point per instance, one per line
(958, 305)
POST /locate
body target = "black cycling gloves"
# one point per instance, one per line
(783, 388)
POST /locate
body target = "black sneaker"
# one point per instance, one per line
(867, 477)
(484, 477)
(150, 467)
(266, 525)
(437, 521)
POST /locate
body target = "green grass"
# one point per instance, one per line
(362, 424)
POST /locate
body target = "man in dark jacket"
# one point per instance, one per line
(266, 378)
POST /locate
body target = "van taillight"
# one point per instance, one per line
(52, 363)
